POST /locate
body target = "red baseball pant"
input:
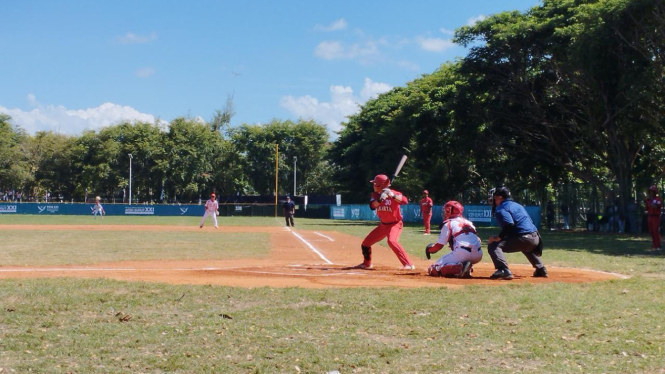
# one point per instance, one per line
(427, 217)
(654, 230)
(391, 232)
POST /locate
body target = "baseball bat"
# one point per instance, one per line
(399, 168)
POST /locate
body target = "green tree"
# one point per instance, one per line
(15, 171)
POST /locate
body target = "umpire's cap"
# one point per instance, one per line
(503, 192)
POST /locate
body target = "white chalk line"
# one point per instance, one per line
(332, 273)
(311, 247)
(327, 237)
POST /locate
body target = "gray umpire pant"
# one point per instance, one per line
(529, 244)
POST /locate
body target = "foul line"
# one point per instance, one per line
(311, 247)
(327, 237)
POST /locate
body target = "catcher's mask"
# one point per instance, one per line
(452, 209)
(381, 181)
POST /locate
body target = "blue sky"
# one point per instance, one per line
(71, 65)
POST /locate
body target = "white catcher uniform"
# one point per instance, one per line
(465, 244)
(211, 208)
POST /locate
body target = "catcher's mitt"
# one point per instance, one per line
(430, 245)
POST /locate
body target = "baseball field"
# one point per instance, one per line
(160, 295)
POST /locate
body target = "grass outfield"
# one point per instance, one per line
(74, 325)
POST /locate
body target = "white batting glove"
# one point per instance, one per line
(389, 192)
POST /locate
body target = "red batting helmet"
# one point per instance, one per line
(452, 209)
(653, 188)
(381, 181)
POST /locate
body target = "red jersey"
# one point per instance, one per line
(426, 205)
(388, 209)
(657, 201)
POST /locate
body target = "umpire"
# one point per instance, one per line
(289, 210)
(518, 234)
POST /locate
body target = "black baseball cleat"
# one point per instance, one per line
(504, 274)
(540, 273)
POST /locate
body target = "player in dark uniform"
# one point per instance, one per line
(289, 210)
(518, 234)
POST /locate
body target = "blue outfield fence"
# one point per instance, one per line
(110, 209)
(480, 215)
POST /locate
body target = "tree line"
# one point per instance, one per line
(182, 163)
(569, 91)
(566, 92)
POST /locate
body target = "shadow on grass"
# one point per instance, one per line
(612, 244)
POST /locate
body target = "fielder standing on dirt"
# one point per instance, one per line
(211, 209)
(387, 203)
(426, 209)
(653, 207)
(518, 234)
(289, 208)
(464, 243)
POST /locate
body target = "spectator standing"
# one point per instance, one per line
(426, 209)
(653, 209)
(550, 215)
(289, 208)
(565, 214)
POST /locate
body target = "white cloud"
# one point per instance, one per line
(58, 118)
(131, 38)
(434, 44)
(372, 90)
(335, 50)
(342, 104)
(145, 72)
(340, 24)
(473, 20)
(447, 32)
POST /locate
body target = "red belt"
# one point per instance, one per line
(389, 223)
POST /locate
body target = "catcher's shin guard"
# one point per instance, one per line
(433, 270)
(467, 269)
(451, 270)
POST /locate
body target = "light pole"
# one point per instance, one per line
(130, 179)
(295, 162)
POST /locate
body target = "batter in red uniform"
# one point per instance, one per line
(653, 206)
(387, 203)
(426, 209)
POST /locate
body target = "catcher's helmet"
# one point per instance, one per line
(452, 209)
(381, 181)
(653, 188)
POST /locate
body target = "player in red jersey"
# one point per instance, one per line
(653, 207)
(426, 209)
(387, 203)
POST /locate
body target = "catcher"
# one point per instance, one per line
(461, 235)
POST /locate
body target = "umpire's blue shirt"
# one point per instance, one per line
(512, 213)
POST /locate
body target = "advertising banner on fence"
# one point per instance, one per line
(480, 215)
(110, 209)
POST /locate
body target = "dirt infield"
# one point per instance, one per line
(298, 258)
